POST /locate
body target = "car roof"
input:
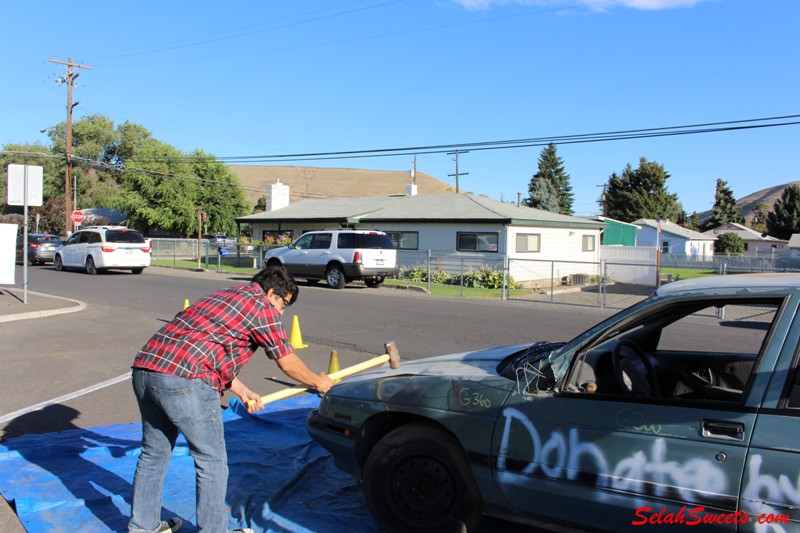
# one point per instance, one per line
(734, 281)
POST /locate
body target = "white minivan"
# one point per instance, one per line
(98, 248)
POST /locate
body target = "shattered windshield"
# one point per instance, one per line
(536, 368)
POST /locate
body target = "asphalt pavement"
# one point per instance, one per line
(15, 304)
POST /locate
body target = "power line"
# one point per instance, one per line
(643, 133)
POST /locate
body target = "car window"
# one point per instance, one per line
(695, 351)
(85, 236)
(73, 238)
(322, 241)
(124, 236)
(94, 237)
(376, 240)
(346, 241)
(47, 239)
(304, 242)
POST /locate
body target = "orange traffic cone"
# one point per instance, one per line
(186, 303)
(333, 366)
(296, 338)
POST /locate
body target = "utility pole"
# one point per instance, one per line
(602, 201)
(457, 174)
(69, 79)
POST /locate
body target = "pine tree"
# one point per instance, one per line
(640, 193)
(784, 220)
(542, 195)
(725, 209)
(551, 168)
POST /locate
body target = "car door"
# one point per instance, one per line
(606, 452)
(73, 248)
(319, 254)
(295, 259)
(771, 486)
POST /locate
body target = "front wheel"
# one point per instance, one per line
(335, 277)
(58, 264)
(417, 478)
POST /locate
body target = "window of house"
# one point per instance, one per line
(270, 236)
(476, 242)
(588, 243)
(404, 240)
(665, 247)
(529, 242)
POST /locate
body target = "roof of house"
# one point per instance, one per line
(420, 208)
(674, 229)
(747, 234)
(794, 240)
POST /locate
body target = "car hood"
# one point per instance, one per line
(460, 382)
(474, 364)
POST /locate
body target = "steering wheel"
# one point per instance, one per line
(627, 375)
(706, 386)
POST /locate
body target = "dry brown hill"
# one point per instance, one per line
(312, 182)
(748, 204)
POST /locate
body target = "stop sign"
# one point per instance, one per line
(77, 217)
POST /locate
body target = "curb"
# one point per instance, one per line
(76, 306)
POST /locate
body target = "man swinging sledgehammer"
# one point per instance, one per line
(179, 376)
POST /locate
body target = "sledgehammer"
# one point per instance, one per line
(392, 356)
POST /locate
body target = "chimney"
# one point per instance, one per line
(411, 189)
(277, 196)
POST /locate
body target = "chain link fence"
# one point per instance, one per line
(625, 276)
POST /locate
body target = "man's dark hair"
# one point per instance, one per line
(279, 280)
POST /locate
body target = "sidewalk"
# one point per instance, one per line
(13, 306)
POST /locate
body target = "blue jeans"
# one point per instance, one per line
(171, 404)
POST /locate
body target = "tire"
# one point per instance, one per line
(58, 264)
(137, 270)
(374, 283)
(335, 277)
(91, 269)
(417, 478)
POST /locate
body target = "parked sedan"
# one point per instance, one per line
(41, 248)
(683, 409)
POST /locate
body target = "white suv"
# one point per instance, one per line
(98, 248)
(338, 256)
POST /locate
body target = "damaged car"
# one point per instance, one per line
(682, 409)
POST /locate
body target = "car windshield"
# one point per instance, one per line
(124, 236)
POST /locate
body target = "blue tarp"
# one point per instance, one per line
(280, 480)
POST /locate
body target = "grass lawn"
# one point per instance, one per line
(687, 273)
(228, 265)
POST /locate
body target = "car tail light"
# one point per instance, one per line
(147, 249)
(356, 257)
(33, 245)
(108, 249)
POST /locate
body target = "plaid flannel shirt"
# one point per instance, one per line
(213, 338)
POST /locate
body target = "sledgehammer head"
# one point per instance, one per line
(394, 355)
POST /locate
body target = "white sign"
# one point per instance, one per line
(8, 253)
(16, 184)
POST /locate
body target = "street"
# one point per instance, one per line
(63, 355)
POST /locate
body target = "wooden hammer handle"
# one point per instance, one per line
(350, 370)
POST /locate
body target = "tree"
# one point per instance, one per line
(693, 222)
(542, 195)
(640, 193)
(729, 244)
(158, 190)
(759, 222)
(551, 169)
(725, 209)
(784, 220)
(220, 194)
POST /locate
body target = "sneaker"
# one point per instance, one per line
(171, 526)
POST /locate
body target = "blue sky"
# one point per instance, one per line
(255, 78)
